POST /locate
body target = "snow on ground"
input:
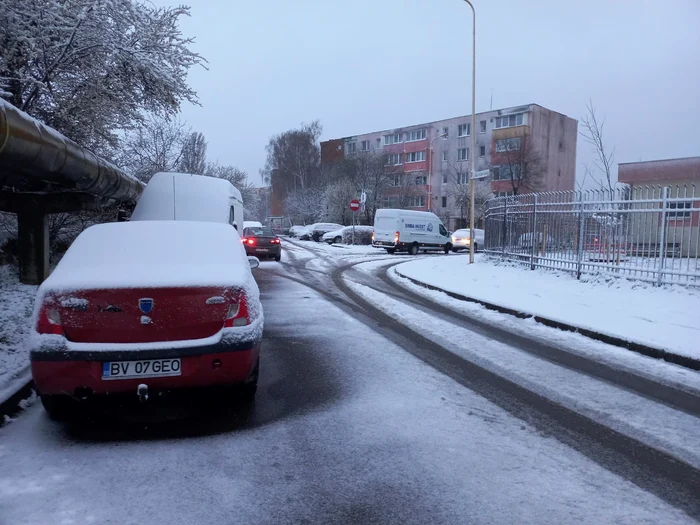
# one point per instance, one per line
(391, 441)
(16, 306)
(657, 370)
(654, 423)
(665, 318)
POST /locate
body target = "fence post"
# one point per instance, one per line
(505, 226)
(533, 254)
(662, 237)
(581, 233)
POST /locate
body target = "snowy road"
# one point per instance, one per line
(357, 420)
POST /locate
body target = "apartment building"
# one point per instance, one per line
(430, 162)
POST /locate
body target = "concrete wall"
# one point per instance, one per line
(554, 136)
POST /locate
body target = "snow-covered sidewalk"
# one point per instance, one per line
(16, 305)
(663, 318)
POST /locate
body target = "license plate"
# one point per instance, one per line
(144, 368)
(263, 250)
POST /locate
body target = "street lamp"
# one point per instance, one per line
(473, 133)
(430, 170)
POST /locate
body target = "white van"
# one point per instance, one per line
(409, 231)
(187, 197)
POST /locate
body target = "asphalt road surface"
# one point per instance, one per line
(357, 420)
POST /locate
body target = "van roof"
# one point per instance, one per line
(184, 196)
(405, 213)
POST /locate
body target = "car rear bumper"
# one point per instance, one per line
(264, 251)
(73, 373)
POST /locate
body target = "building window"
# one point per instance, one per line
(399, 179)
(463, 154)
(482, 151)
(421, 180)
(393, 160)
(394, 138)
(445, 132)
(682, 206)
(508, 144)
(482, 126)
(416, 156)
(508, 121)
(416, 201)
(463, 178)
(379, 143)
(503, 194)
(364, 145)
(416, 134)
(464, 130)
(504, 172)
(444, 202)
(445, 156)
(444, 178)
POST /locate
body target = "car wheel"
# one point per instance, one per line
(390, 251)
(59, 408)
(278, 258)
(338, 240)
(476, 247)
(250, 387)
(413, 249)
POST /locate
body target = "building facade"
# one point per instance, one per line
(430, 162)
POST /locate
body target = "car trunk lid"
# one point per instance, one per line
(143, 315)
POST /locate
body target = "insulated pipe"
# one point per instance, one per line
(35, 157)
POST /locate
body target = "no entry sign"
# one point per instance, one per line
(354, 205)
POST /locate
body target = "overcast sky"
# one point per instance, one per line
(370, 65)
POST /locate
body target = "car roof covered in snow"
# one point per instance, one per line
(186, 197)
(152, 254)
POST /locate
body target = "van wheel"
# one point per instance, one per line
(476, 247)
(338, 240)
(413, 249)
(390, 251)
(448, 247)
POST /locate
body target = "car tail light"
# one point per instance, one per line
(244, 240)
(49, 321)
(275, 241)
(372, 236)
(237, 312)
(250, 241)
(396, 238)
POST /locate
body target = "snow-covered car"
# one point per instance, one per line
(363, 235)
(296, 229)
(320, 228)
(304, 233)
(252, 224)
(461, 239)
(145, 308)
(526, 240)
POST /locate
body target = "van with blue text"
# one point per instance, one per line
(409, 231)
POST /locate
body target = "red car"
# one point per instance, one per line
(145, 307)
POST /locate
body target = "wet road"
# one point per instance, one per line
(348, 427)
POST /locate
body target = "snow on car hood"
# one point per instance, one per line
(152, 254)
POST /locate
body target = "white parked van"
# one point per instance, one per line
(409, 231)
(187, 197)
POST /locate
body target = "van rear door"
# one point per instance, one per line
(385, 227)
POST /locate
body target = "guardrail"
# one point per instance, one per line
(649, 233)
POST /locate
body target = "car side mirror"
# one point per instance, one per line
(254, 262)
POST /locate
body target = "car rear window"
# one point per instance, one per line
(260, 232)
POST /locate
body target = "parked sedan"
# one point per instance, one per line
(363, 235)
(145, 308)
(461, 239)
(262, 242)
(320, 228)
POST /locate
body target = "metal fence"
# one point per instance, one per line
(645, 233)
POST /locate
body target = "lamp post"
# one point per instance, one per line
(430, 170)
(473, 134)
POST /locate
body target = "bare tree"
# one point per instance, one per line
(194, 154)
(156, 145)
(293, 158)
(337, 199)
(592, 132)
(365, 170)
(239, 179)
(521, 164)
(459, 193)
(306, 206)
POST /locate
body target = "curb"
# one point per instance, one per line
(649, 351)
(10, 406)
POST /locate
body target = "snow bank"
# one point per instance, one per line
(665, 318)
(16, 302)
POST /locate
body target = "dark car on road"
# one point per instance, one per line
(262, 242)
